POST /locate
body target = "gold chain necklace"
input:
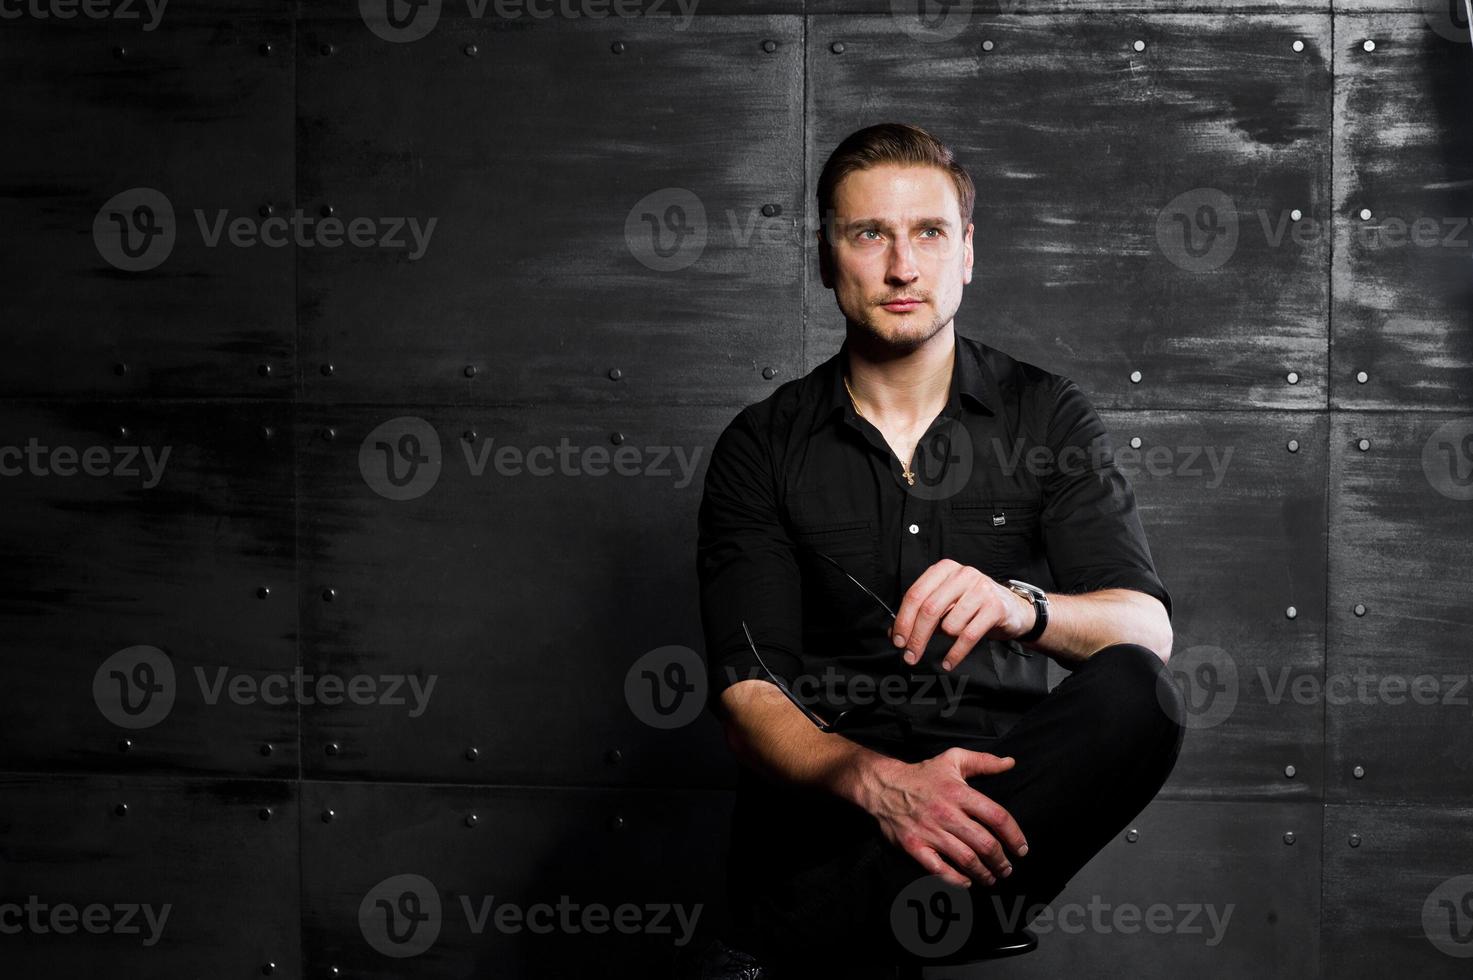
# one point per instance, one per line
(905, 469)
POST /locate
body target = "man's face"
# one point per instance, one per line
(897, 234)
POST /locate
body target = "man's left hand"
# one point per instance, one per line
(966, 603)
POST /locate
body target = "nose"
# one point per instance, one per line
(901, 269)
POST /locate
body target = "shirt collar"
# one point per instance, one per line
(971, 384)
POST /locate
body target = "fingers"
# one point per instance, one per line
(925, 602)
(987, 862)
(971, 763)
(998, 821)
(929, 859)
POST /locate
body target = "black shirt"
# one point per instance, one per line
(1015, 477)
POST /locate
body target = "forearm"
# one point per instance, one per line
(1078, 625)
(770, 736)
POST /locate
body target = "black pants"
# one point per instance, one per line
(814, 885)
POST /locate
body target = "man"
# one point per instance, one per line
(924, 473)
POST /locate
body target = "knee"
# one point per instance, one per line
(1142, 704)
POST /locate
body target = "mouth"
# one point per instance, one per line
(902, 305)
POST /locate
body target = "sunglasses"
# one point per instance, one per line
(846, 719)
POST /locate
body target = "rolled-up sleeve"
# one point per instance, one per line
(746, 564)
(1093, 536)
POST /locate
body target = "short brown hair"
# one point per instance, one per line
(898, 143)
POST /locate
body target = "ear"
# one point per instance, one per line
(967, 258)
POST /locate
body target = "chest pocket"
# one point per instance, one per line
(1000, 537)
(830, 600)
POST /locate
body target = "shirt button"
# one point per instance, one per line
(915, 529)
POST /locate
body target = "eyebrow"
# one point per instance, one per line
(861, 224)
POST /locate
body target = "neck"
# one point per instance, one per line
(902, 387)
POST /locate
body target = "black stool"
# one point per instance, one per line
(1013, 944)
(719, 960)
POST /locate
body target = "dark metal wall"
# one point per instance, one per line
(350, 592)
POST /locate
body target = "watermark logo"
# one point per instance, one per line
(1448, 19)
(149, 12)
(1447, 917)
(1198, 230)
(40, 918)
(400, 21)
(400, 916)
(666, 229)
(135, 230)
(1125, 918)
(1447, 459)
(666, 688)
(40, 460)
(400, 459)
(134, 688)
(1206, 678)
(932, 20)
(943, 463)
(931, 917)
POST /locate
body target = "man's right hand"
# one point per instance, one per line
(928, 810)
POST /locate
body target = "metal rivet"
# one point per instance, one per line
(125, 744)
(326, 370)
(333, 971)
(1298, 45)
(470, 370)
(616, 822)
(121, 809)
(333, 748)
(1139, 45)
(266, 48)
(264, 813)
(1360, 609)
(329, 594)
(615, 374)
(1369, 45)
(1292, 377)
(1291, 613)
(120, 369)
(469, 435)
(617, 47)
(268, 969)
(267, 432)
(1293, 445)
(837, 47)
(771, 210)
(1288, 837)
(471, 754)
(327, 49)
(121, 431)
(1290, 771)
(264, 370)
(1362, 377)
(471, 50)
(266, 210)
(1296, 214)
(1135, 442)
(1359, 772)
(1365, 214)
(987, 45)
(120, 52)
(1135, 377)
(327, 815)
(329, 433)
(264, 592)
(471, 819)
(613, 757)
(328, 210)
(617, 438)
(1132, 835)
(267, 748)
(769, 46)
(1355, 840)
(768, 373)
(1363, 445)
